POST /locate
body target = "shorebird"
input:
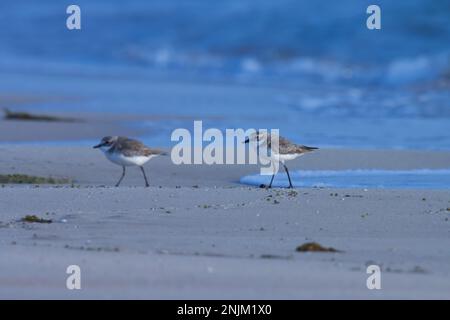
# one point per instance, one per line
(286, 151)
(127, 152)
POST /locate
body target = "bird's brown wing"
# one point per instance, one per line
(132, 148)
(287, 147)
(156, 152)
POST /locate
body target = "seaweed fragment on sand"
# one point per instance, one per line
(35, 219)
(27, 179)
(315, 247)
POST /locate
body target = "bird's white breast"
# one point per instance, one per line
(279, 157)
(122, 160)
(286, 157)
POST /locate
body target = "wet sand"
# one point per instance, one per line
(87, 126)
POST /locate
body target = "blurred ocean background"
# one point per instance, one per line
(310, 68)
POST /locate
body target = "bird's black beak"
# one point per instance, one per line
(99, 145)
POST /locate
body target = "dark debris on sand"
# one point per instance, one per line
(25, 116)
(314, 247)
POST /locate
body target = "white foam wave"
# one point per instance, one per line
(359, 178)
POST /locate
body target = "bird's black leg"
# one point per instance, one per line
(271, 180)
(121, 178)
(145, 177)
(267, 186)
(289, 177)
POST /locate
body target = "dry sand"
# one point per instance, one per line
(196, 233)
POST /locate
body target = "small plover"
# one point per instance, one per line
(127, 152)
(286, 151)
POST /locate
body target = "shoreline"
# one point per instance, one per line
(87, 166)
(170, 103)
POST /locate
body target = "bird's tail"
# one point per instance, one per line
(309, 149)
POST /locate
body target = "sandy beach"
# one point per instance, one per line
(371, 92)
(197, 233)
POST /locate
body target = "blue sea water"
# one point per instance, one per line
(337, 83)
(370, 179)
